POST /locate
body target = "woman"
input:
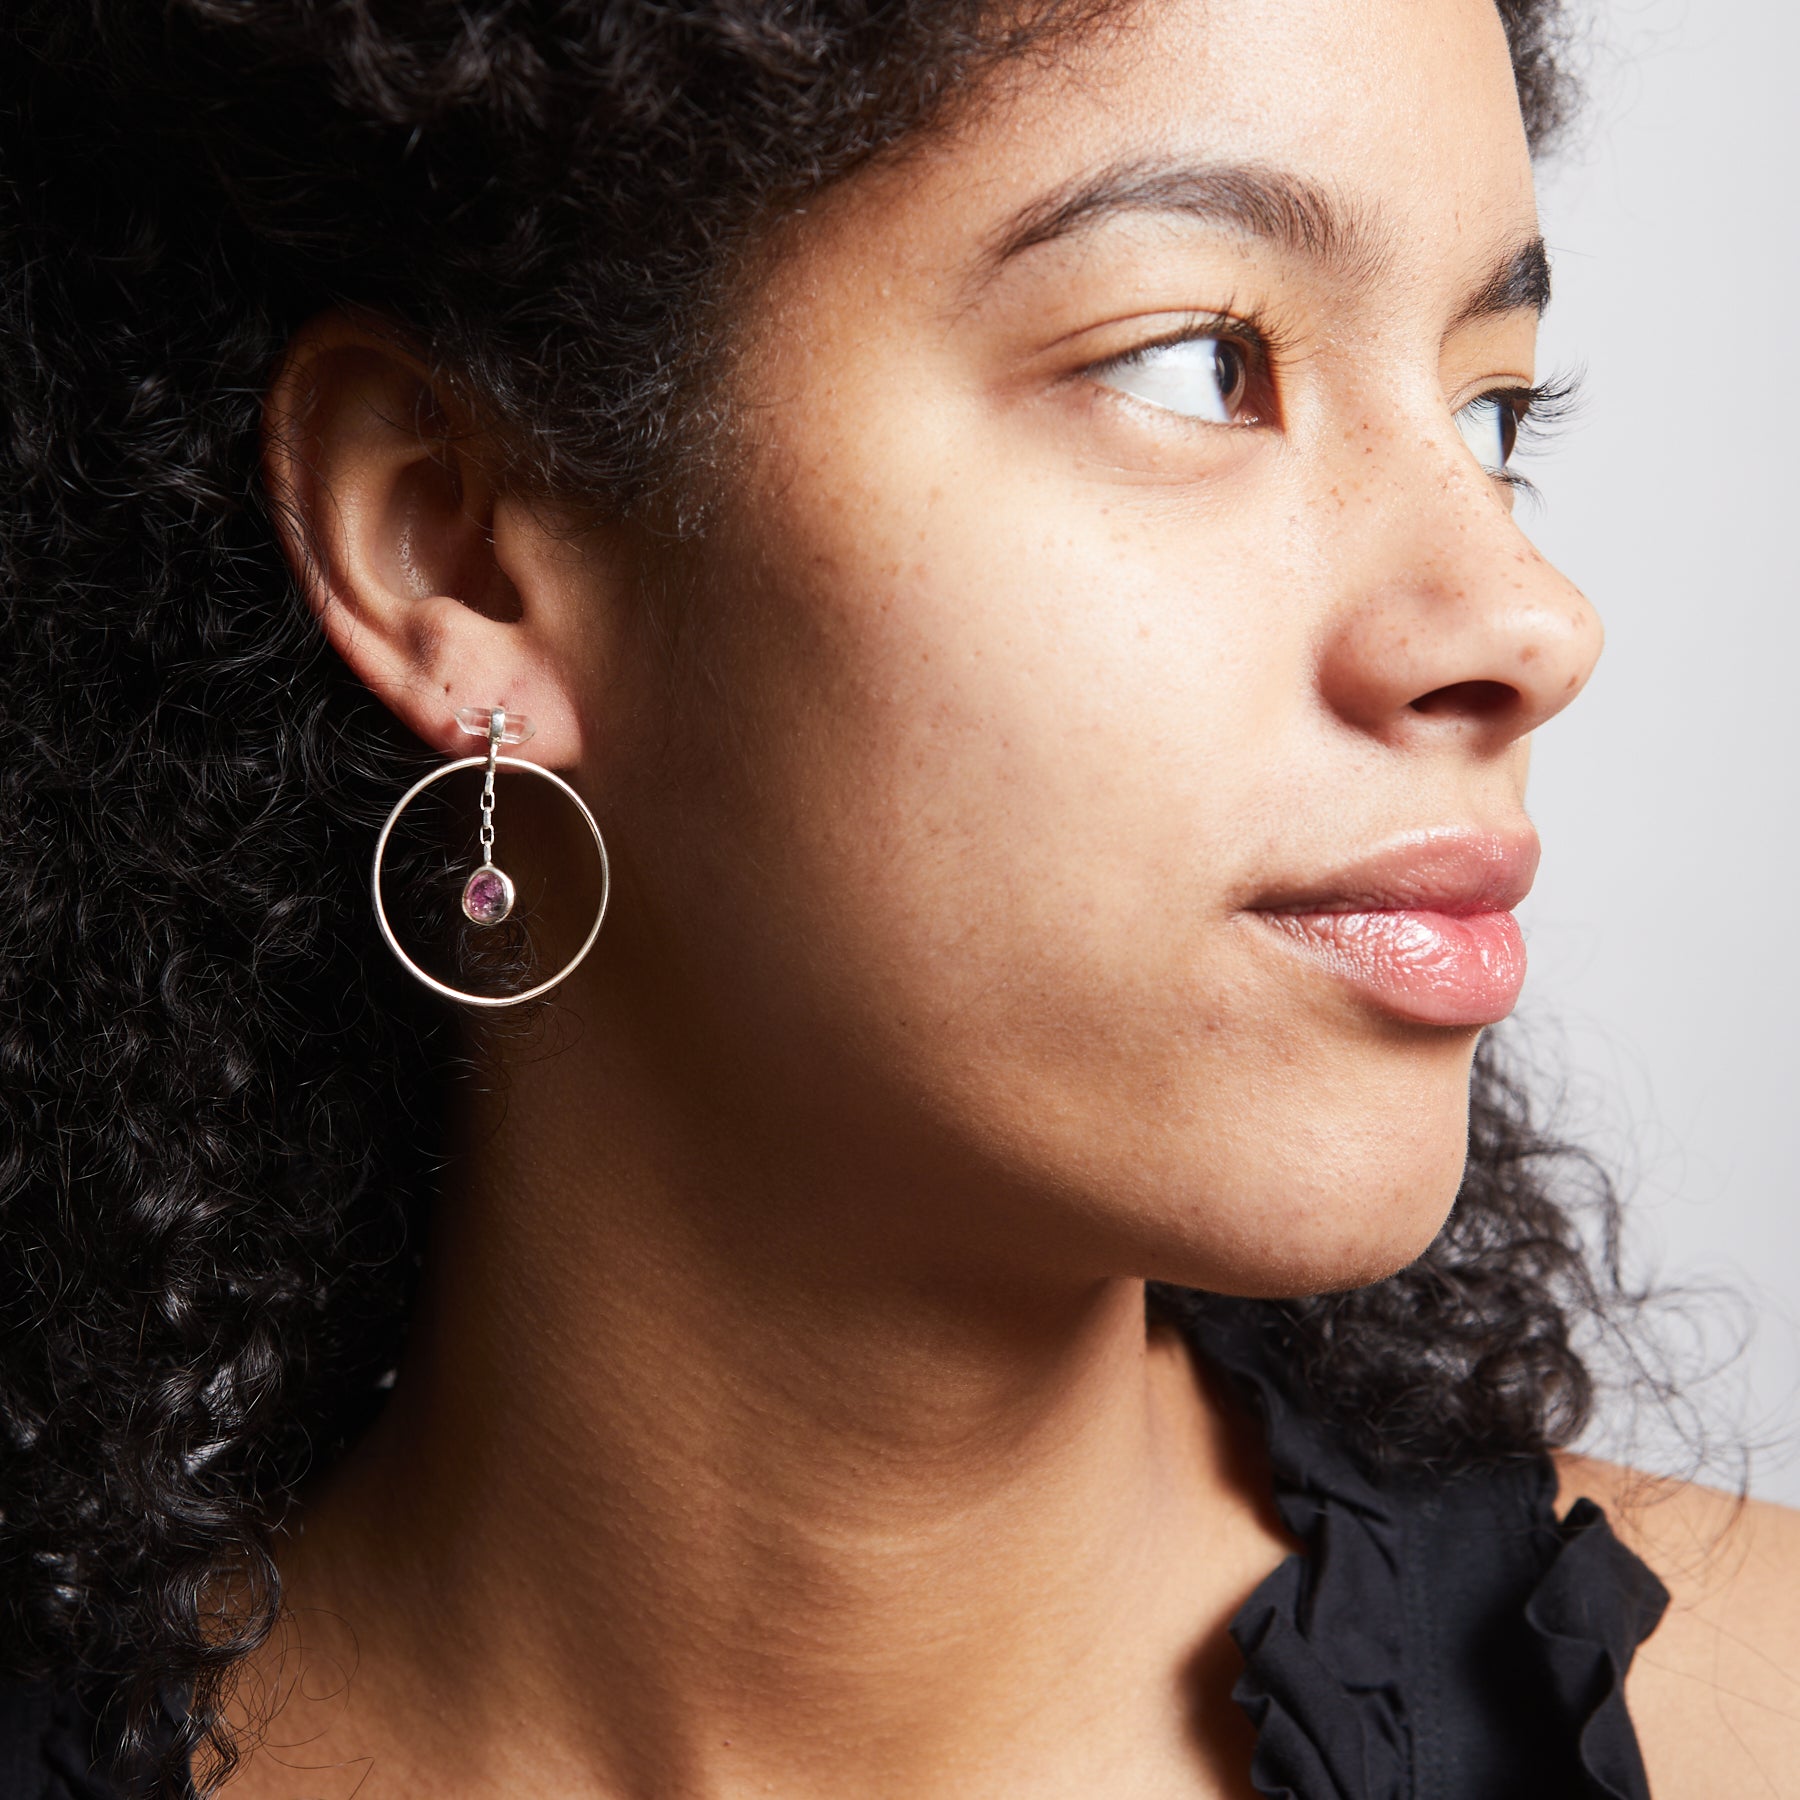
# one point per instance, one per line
(1003, 517)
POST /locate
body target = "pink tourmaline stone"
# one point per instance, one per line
(487, 896)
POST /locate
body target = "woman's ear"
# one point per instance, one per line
(438, 589)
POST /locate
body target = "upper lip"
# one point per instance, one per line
(1444, 871)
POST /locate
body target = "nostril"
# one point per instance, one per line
(1469, 700)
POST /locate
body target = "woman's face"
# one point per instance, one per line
(1077, 803)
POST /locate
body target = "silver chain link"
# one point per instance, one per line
(496, 730)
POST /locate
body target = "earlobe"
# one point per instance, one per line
(418, 568)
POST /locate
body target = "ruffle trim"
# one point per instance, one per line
(1323, 1638)
(1595, 1604)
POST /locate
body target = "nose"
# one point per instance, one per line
(1449, 622)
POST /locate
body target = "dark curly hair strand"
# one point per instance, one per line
(221, 1102)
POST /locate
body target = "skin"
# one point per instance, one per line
(779, 1417)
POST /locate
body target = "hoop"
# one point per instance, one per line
(387, 930)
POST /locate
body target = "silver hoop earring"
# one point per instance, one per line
(488, 895)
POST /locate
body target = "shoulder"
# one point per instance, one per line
(1715, 1691)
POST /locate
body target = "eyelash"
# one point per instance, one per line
(1248, 331)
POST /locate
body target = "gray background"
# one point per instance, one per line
(1661, 1010)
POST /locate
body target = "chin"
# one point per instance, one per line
(1285, 1227)
(1314, 1258)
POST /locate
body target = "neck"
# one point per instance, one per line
(716, 1491)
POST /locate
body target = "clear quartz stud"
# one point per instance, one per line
(478, 720)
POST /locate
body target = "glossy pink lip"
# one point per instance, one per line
(1424, 927)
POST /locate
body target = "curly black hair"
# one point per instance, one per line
(221, 1102)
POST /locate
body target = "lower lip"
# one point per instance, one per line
(1435, 968)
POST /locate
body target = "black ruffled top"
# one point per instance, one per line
(1450, 1640)
(1433, 1641)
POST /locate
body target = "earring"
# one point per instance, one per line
(488, 895)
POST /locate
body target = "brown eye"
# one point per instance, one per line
(1490, 427)
(1232, 370)
(1206, 378)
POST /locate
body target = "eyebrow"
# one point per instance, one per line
(1282, 208)
(1520, 282)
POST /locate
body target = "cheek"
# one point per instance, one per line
(1024, 746)
(998, 764)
